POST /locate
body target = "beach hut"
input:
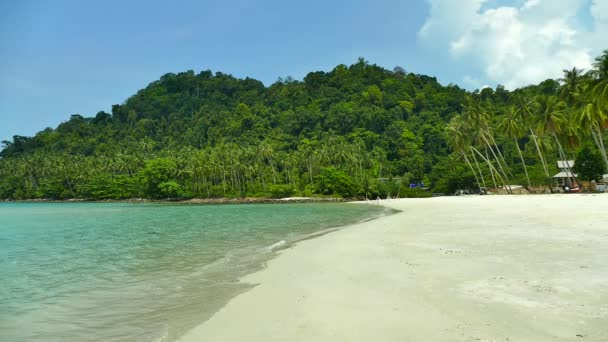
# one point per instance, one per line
(565, 165)
(565, 177)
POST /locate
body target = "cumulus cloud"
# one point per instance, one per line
(520, 44)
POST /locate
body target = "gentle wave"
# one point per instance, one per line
(277, 244)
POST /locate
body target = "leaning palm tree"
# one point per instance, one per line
(457, 139)
(573, 131)
(600, 90)
(591, 118)
(525, 111)
(552, 120)
(477, 118)
(593, 112)
(512, 127)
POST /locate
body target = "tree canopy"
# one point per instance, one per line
(355, 131)
(588, 164)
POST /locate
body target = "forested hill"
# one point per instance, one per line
(352, 131)
(206, 109)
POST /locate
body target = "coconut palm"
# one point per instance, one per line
(477, 118)
(456, 137)
(591, 117)
(601, 66)
(573, 86)
(552, 120)
(512, 127)
(525, 110)
(573, 131)
(266, 152)
(594, 114)
(307, 156)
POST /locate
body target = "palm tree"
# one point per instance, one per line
(552, 120)
(525, 109)
(476, 117)
(511, 126)
(601, 66)
(572, 131)
(592, 116)
(600, 92)
(358, 155)
(306, 150)
(457, 139)
(573, 85)
(266, 152)
(147, 146)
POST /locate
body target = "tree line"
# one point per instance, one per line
(355, 131)
(332, 166)
(568, 122)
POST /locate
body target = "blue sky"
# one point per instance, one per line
(62, 57)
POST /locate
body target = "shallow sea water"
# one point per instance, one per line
(139, 272)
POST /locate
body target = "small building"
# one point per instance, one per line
(565, 176)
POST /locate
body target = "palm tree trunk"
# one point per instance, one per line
(562, 156)
(483, 181)
(565, 159)
(540, 154)
(599, 142)
(502, 158)
(490, 166)
(523, 162)
(206, 182)
(274, 175)
(504, 174)
(472, 170)
(487, 160)
(69, 185)
(224, 181)
(310, 171)
(261, 175)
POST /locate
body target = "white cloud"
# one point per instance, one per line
(471, 82)
(599, 10)
(516, 45)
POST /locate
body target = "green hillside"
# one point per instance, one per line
(356, 131)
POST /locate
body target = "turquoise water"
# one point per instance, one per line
(138, 272)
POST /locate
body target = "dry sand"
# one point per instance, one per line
(479, 268)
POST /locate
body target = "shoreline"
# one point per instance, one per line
(441, 269)
(242, 200)
(223, 200)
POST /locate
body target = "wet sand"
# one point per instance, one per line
(478, 268)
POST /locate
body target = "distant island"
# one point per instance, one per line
(358, 131)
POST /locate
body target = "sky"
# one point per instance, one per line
(65, 57)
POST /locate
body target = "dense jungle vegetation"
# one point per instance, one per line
(355, 131)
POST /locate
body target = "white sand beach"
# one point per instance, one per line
(476, 268)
